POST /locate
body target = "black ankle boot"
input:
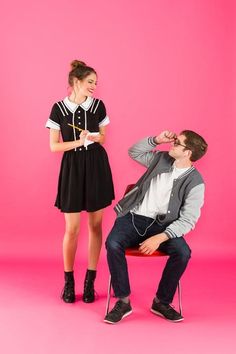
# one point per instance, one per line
(68, 293)
(88, 295)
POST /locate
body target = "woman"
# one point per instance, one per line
(85, 180)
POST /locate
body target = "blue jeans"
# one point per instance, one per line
(123, 235)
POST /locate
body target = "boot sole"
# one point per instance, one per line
(125, 315)
(88, 301)
(161, 315)
(68, 302)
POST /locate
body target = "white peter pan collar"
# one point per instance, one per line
(73, 106)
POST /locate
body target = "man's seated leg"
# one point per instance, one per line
(179, 255)
(122, 236)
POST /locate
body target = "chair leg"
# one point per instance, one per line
(108, 295)
(180, 298)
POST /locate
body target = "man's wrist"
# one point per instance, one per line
(167, 234)
(164, 237)
(155, 140)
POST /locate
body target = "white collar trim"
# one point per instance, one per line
(73, 106)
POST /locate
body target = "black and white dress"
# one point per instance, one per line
(85, 180)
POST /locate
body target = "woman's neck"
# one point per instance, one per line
(77, 98)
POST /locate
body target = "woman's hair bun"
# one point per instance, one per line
(79, 70)
(76, 63)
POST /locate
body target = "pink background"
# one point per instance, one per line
(161, 65)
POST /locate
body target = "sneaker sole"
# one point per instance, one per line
(125, 315)
(161, 315)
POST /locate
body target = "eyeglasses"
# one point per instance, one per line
(177, 142)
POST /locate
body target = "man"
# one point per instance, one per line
(163, 206)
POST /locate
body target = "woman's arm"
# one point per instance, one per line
(57, 146)
(100, 138)
(102, 135)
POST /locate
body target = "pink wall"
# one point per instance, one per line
(161, 65)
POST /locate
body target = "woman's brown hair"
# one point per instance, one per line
(80, 71)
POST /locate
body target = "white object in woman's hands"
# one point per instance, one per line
(87, 141)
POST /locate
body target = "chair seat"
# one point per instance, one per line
(134, 251)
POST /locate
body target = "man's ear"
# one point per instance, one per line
(189, 154)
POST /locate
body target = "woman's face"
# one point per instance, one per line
(87, 86)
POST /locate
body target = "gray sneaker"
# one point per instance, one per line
(119, 311)
(166, 311)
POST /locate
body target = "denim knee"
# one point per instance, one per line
(112, 245)
(185, 254)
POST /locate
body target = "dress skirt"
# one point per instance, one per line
(85, 180)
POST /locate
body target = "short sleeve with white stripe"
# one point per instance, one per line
(53, 121)
(103, 118)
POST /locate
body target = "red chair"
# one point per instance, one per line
(136, 253)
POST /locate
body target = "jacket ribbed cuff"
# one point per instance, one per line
(151, 141)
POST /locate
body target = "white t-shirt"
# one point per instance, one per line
(156, 199)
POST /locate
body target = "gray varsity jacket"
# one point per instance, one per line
(187, 195)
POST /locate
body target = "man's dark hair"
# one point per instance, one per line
(195, 143)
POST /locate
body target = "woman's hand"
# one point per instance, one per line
(95, 138)
(82, 136)
(99, 137)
